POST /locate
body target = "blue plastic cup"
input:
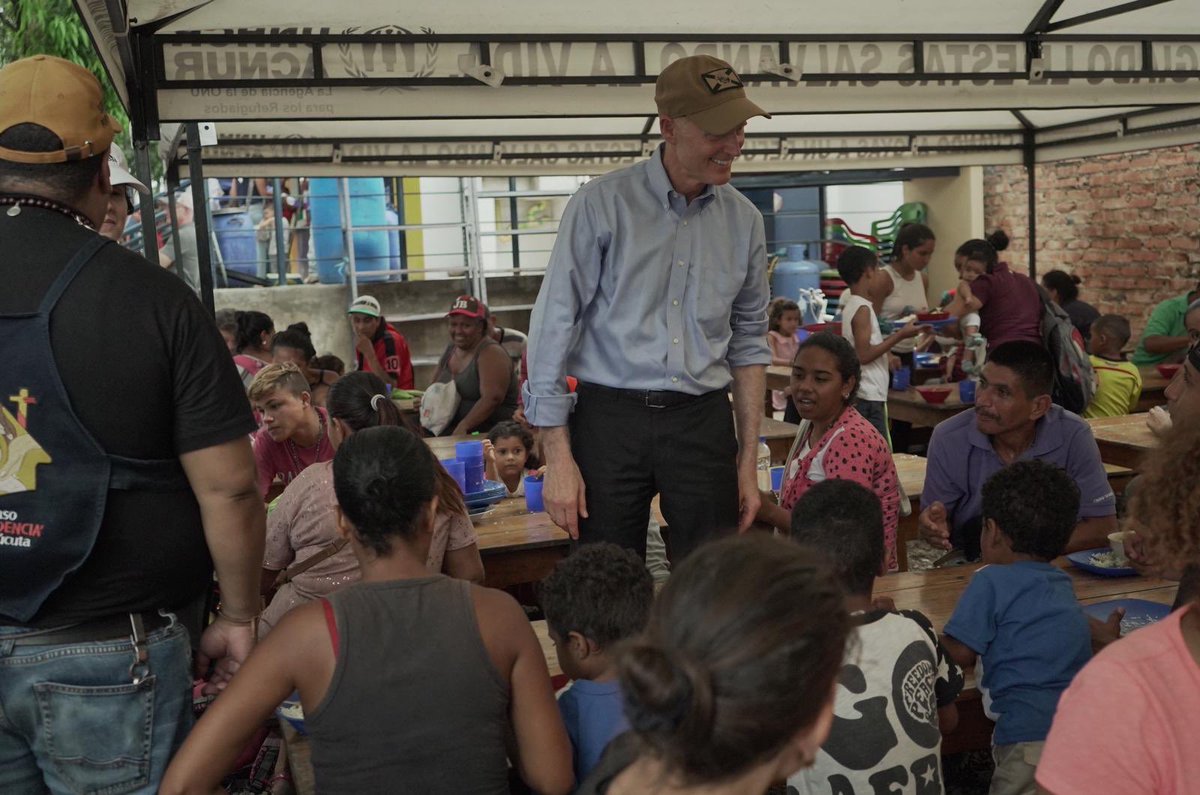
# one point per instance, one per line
(901, 378)
(776, 479)
(458, 471)
(966, 390)
(533, 494)
(471, 454)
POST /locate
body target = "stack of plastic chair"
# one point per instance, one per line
(885, 231)
(839, 236)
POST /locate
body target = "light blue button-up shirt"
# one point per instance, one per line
(647, 291)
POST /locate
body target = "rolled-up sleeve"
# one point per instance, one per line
(1096, 498)
(570, 282)
(748, 319)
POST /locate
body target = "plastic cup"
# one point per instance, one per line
(471, 454)
(901, 378)
(465, 451)
(776, 479)
(458, 471)
(966, 390)
(533, 494)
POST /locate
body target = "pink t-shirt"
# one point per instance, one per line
(1012, 308)
(781, 348)
(1130, 722)
(288, 459)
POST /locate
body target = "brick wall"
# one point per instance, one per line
(1128, 225)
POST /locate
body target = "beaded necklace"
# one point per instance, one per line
(14, 201)
(291, 446)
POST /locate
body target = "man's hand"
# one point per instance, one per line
(934, 527)
(564, 494)
(364, 345)
(224, 646)
(748, 496)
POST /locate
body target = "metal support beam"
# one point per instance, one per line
(1104, 13)
(1044, 15)
(1031, 189)
(141, 160)
(281, 253)
(202, 221)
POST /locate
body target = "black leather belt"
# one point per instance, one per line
(650, 398)
(110, 628)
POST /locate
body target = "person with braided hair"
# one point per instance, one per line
(730, 686)
(302, 523)
(410, 682)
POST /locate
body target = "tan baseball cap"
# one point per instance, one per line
(707, 91)
(61, 96)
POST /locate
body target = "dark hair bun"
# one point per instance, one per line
(1076, 279)
(665, 696)
(302, 327)
(998, 239)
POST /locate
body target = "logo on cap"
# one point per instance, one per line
(719, 80)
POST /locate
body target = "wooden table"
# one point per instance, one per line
(908, 406)
(1123, 440)
(779, 435)
(778, 377)
(518, 546)
(911, 470)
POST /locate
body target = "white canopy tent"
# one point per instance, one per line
(545, 86)
(381, 87)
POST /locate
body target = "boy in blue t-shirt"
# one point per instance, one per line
(596, 597)
(1019, 614)
(895, 694)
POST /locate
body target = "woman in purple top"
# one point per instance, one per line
(1008, 303)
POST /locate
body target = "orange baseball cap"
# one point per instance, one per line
(707, 91)
(61, 96)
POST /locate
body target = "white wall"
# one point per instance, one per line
(860, 205)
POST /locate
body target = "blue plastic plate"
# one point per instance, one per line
(1138, 612)
(1083, 560)
(491, 491)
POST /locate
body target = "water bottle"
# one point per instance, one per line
(764, 465)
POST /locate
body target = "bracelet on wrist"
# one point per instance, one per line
(241, 622)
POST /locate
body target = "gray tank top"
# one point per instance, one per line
(415, 704)
(469, 391)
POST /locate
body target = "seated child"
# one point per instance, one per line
(597, 597)
(506, 452)
(879, 739)
(410, 682)
(858, 267)
(968, 324)
(1019, 615)
(1118, 382)
(783, 320)
(294, 432)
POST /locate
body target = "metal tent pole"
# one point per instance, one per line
(202, 221)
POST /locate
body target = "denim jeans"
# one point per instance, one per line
(73, 721)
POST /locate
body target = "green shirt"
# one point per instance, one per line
(1165, 321)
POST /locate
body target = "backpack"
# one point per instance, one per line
(1074, 378)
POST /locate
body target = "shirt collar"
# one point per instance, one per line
(660, 183)
(1044, 437)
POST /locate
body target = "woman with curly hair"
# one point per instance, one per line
(1128, 721)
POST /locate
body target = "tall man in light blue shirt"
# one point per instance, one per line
(655, 299)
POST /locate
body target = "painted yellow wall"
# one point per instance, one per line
(414, 240)
(955, 215)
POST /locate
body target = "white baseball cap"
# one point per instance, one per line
(118, 170)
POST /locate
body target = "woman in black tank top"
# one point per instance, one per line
(409, 682)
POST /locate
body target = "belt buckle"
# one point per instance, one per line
(648, 399)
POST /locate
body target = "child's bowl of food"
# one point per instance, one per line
(935, 320)
(1168, 371)
(1116, 542)
(925, 360)
(936, 394)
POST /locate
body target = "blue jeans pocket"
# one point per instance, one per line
(98, 737)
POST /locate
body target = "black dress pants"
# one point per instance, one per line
(628, 451)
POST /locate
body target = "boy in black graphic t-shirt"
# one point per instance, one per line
(896, 691)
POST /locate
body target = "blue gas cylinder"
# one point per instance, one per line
(794, 273)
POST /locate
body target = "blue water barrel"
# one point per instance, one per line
(367, 208)
(235, 238)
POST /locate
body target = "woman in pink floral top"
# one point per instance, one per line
(834, 441)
